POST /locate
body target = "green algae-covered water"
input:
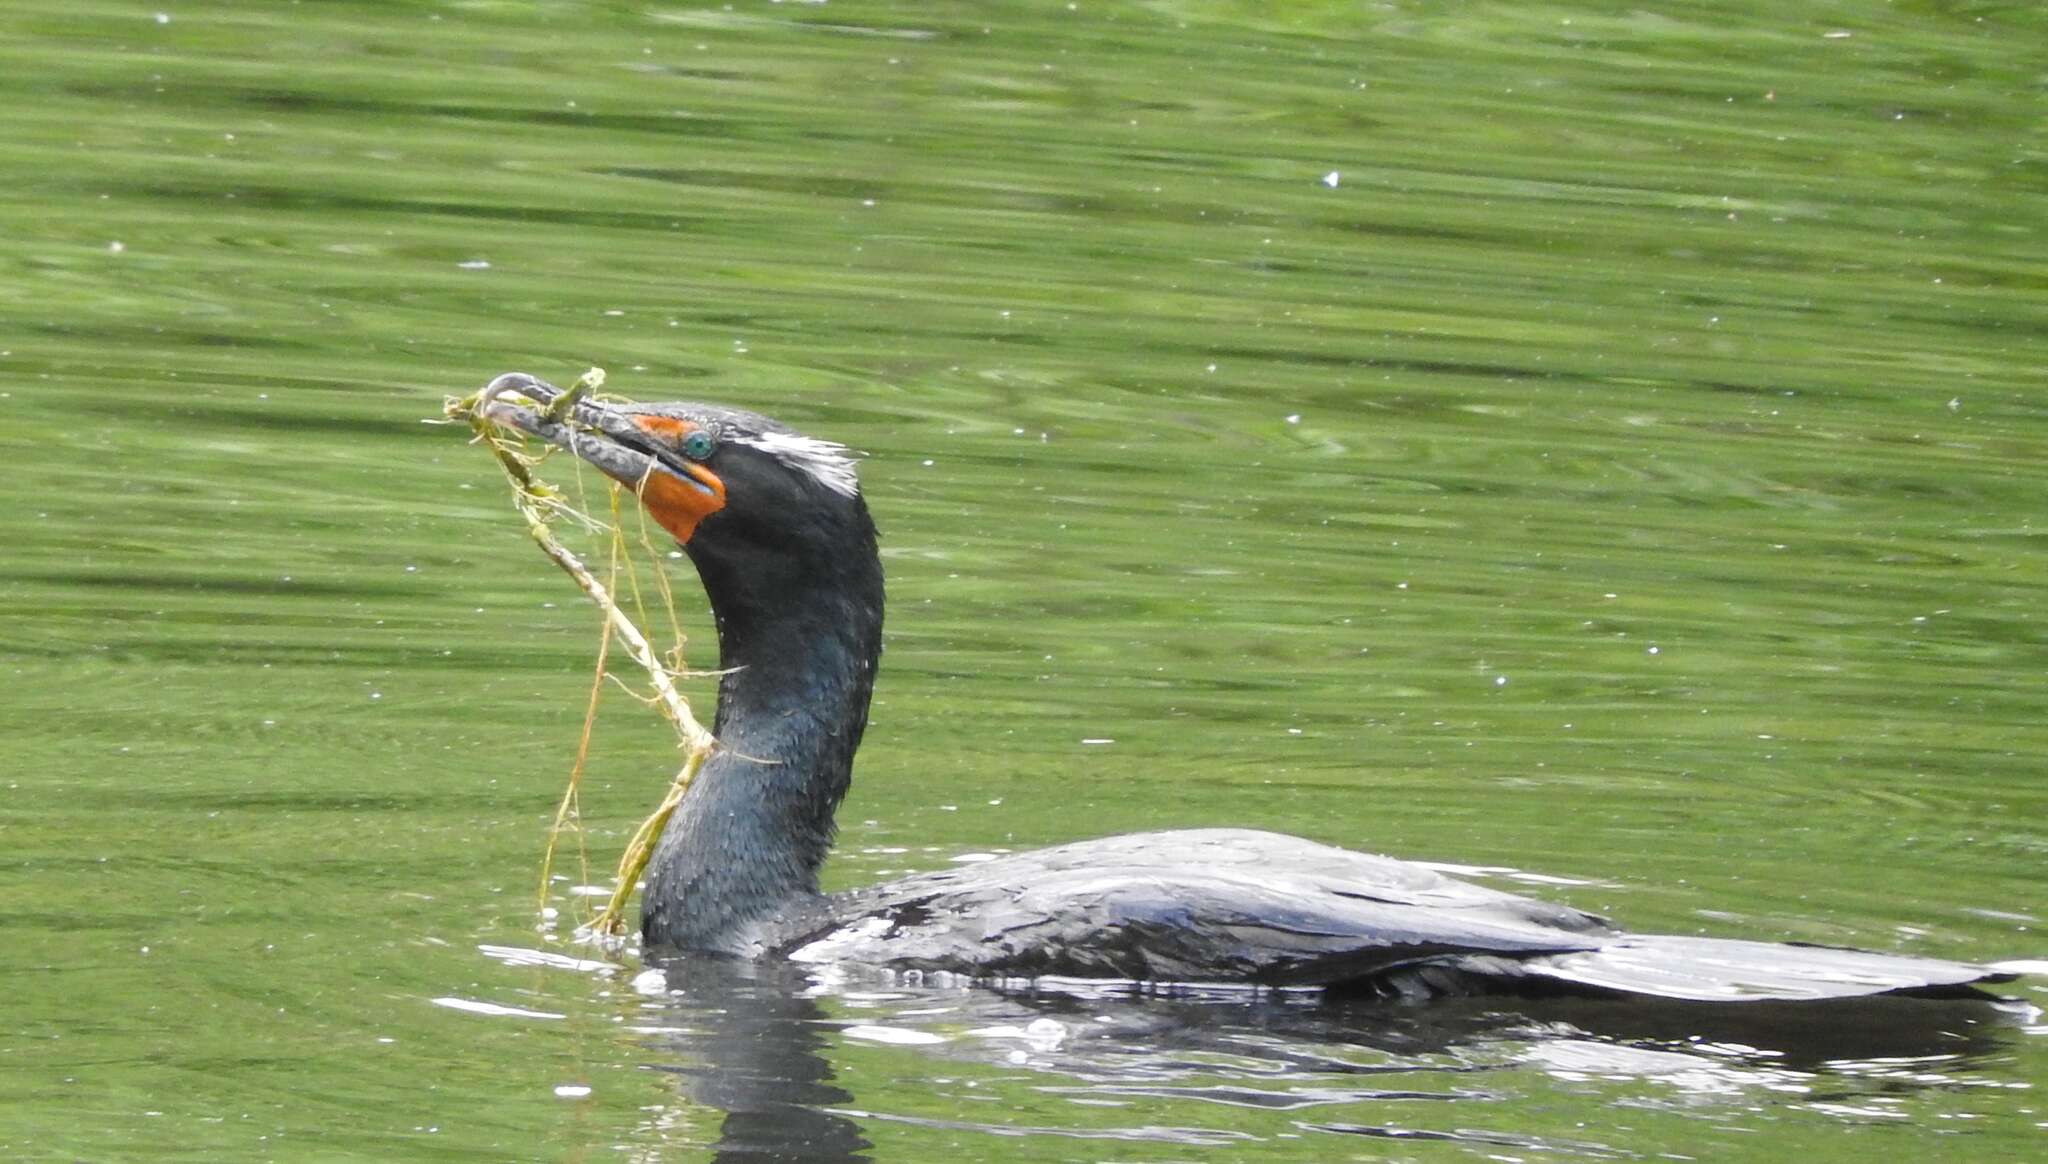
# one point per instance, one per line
(1598, 445)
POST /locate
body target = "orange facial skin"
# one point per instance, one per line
(664, 428)
(677, 504)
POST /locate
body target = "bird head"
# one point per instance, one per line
(713, 477)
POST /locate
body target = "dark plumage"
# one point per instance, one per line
(782, 540)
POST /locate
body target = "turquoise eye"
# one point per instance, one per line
(699, 444)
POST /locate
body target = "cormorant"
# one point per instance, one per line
(776, 527)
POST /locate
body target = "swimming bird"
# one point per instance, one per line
(782, 540)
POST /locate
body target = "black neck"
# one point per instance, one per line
(799, 644)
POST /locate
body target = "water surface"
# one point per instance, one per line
(1574, 440)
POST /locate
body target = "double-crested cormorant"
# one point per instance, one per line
(775, 524)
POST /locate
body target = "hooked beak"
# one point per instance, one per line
(596, 433)
(678, 494)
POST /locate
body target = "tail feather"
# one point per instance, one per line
(1727, 970)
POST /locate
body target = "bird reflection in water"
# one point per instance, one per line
(764, 1044)
(747, 1040)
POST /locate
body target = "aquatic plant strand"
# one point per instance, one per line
(539, 504)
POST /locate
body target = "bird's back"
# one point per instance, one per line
(1186, 906)
(1243, 906)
